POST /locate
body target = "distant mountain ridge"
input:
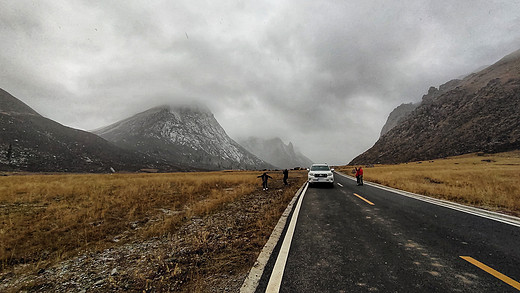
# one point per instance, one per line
(185, 135)
(275, 152)
(478, 113)
(31, 142)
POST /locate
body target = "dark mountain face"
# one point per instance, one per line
(10, 104)
(276, 152)
(31, 142)
(479, 113)
(185, 135)
(397, 116)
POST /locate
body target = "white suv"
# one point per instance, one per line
(320, 173)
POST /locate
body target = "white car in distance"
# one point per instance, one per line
(320, 173)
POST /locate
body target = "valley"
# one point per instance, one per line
(134, 138)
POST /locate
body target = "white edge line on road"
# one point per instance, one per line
(276, 276)
(506, 219)
(251, 282)
(339, 184)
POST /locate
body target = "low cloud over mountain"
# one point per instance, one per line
(478, 113)
(31, 142)
(187, 135)
(276, 152)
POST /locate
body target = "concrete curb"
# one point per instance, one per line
(252, 280)
(503, 218)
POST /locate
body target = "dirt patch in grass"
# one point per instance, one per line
(211, 247)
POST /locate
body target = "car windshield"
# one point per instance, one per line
(320, 168)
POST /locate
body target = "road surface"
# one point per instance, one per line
(364, 239)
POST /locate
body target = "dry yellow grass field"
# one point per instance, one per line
(48, 218)
(490, 181)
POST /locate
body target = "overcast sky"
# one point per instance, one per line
(321, 74)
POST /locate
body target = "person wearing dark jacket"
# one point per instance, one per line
(285, 176)
(264, 177)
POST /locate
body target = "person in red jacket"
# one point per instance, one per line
(359, 176)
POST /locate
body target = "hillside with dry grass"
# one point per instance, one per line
(191, 232)
(489, 181)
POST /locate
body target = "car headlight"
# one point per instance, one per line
(311, 174)
(330, 174)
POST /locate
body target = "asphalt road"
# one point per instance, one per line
(379, 241)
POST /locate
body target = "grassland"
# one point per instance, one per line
(490, 181)
(45, 219)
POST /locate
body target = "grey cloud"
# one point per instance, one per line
(322, 74)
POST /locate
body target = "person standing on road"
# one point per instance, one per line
(264, 177)
(359, 176)
(285, 176)
(356, 171)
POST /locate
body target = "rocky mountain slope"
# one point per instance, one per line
(31, 142)
(275, 152)
(478, 113)
(397, 116)
(185, 135)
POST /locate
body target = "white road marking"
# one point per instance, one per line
(506, 219)
(276, 276)
(251, 282)
(340, 184)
